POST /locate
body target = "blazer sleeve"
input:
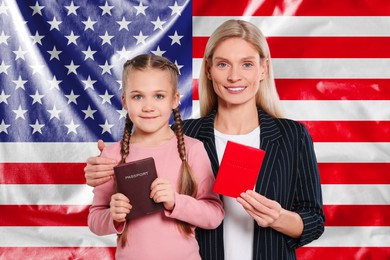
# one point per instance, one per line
(204, 211)
(308, 198)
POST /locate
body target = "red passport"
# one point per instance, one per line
(239, 169)
(134, 180)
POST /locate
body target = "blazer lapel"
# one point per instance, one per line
(206, 134)
(269, 134)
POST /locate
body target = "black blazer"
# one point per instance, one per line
(289, 175)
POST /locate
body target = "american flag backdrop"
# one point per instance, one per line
(60, 72)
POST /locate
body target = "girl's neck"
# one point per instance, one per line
(236, 119)
(151, 139)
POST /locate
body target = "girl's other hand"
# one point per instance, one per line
(162, 191)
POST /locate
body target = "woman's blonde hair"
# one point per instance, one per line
(267, 97)
(187, 184)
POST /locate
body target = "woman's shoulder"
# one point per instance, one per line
(191, 127)
(191, 123)
(291, 128)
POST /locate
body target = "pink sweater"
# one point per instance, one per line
(156, 236)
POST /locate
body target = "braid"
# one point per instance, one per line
(187, 183)
(179, 134)
(125, 149)
(125, 142)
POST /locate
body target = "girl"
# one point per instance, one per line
(183, 186)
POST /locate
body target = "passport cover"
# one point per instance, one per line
(239, 169)
(134, 180)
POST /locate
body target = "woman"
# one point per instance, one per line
(239, 102)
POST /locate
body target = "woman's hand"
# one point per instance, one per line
(99, 169)
(162, 191)
(264, 211)
(269, 213)
(119, 207)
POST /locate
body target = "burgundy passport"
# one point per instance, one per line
(239, 169)
(133, 180)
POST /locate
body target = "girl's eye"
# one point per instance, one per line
(159, 96)
(137, 97)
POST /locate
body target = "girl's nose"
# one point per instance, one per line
(147, 106)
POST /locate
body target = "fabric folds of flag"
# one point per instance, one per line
(332, 70)
(60, 91)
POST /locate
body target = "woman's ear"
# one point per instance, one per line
(264, 68)
(207, 68)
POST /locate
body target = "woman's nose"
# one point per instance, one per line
(233, 75)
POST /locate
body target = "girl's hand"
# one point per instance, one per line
(264, 211)
(162, 191)
(119, 207)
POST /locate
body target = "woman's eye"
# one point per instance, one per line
(248, 65)
(137, 97)
(222, 65)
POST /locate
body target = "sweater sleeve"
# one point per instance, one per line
(308, 199)
(204, 211)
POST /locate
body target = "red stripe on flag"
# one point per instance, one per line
(346, 215)
(344, 253)
(354, 173)
(299, 8)
(44, 215)
(349, 131)
(317, 47)
(47, 215)
(57, 252)
(195, 93)
(42, 173)
(326, 89)
(198, 46)
(331, 173)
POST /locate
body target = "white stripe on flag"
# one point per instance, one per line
(323, 68)
(352, 152)
(331, 68)
(329, 110)
(353, 237)
(47, 152)
(48, 236)
(45, 194)
(346, 152)
(52, 237)
(360, 194)
(302, 25)
(333, 110)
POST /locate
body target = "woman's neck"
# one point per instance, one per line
(236, 120)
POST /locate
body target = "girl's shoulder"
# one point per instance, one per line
(190, 141)
(112, 150)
